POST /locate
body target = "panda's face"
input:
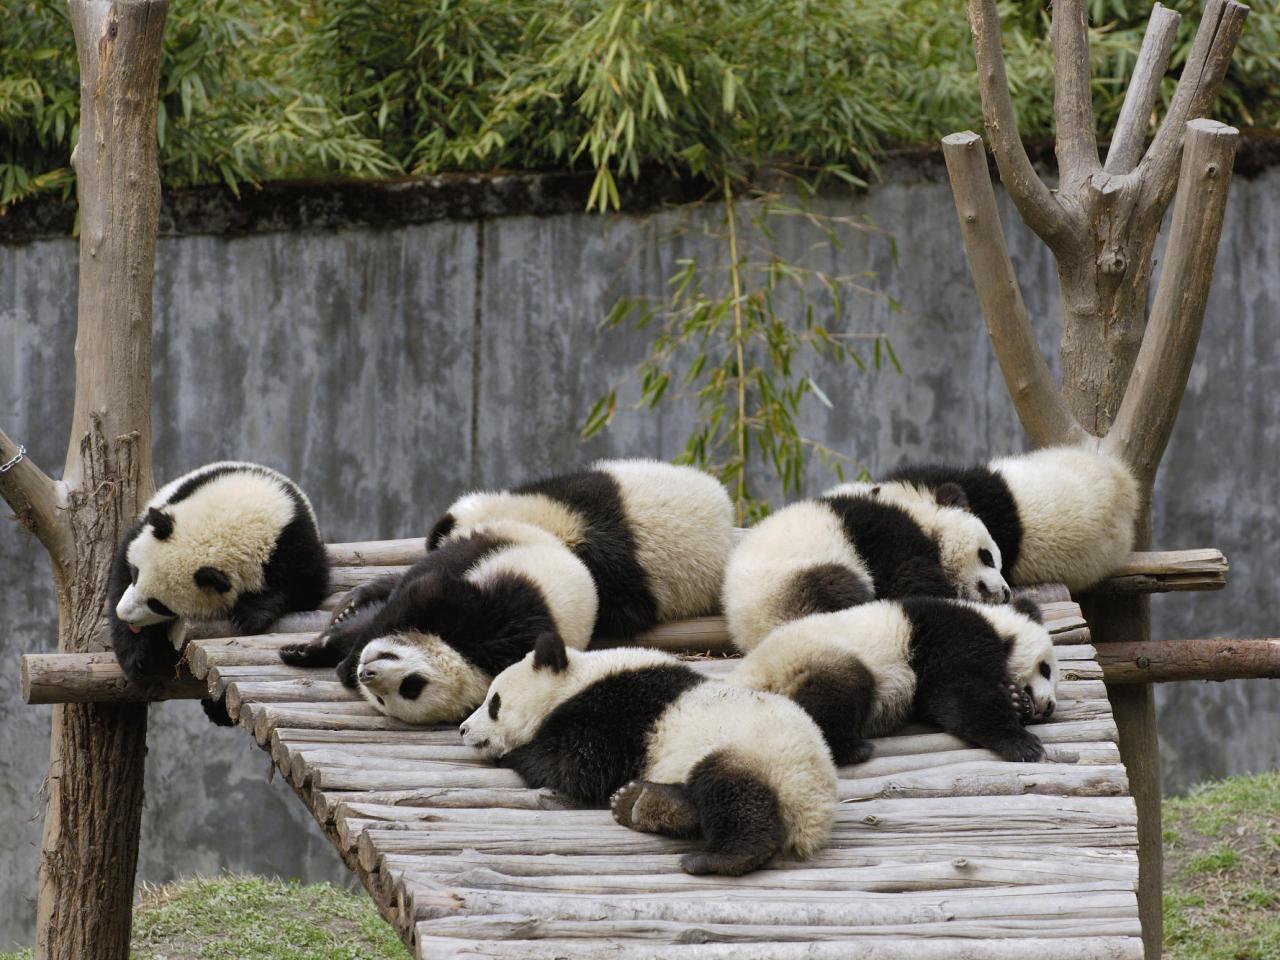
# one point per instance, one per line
(970, 557)
(521, 697)
(1032, 665)
(171, 576)
(418, 678)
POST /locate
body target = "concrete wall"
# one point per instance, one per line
(388, 368)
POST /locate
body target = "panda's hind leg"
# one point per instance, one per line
(336, 644)
(649, 807)
(838, 695)
(740, 816)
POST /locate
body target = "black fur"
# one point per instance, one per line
(740, 818)
(961, 681)
(212, 577)
(296, 575)
(1027, 606)
(903, 560)
(608, 549)
(411, 687)
(990, 500)
(596, 741)
(839, 696)
(161, 523)
(825, 588)
(444, 526)
(549, 653)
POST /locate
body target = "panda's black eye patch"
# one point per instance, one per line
(388, 655)
(985, 556)
(157, 607)
(411, 686)
(495, 704)
(133, 574)
(1044, 670)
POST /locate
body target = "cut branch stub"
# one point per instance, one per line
(1076, 146)
(1144, 89)
(1034, 201)
(1151, 400)
(1035, 394)
(36, 499)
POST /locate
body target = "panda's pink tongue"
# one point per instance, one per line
(133, 629)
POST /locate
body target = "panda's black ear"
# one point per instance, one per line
(875, 491)
(161, 523)
(212, 577)
(444, 526)
(1026, 606)
(951, 495)
(549, 652)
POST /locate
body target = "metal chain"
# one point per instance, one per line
(6, 467)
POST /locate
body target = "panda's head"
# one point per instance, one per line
(1031, 664)
(174, 572)
(970, 556)
(419, 678)
(522, 696)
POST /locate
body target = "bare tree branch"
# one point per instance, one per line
(1077, 146)
(1035, 203)
(1144, 88)
(1150, 406)
(1036, 397)
(37, 500)
(1198, 86)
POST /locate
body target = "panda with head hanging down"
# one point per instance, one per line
(609, 551)
(673, 752)
(229, 539)
(851, 546)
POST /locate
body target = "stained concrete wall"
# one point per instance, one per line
(387, 369)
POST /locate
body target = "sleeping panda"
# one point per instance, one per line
(680, 755)
(229, 539)
(978, 671)
(1061, 514)
(654, 536)
(424, 647)
(851, 546)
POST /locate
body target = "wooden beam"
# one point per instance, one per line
(1172, 661)
(95, 678)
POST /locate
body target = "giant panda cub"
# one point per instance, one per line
(851, 546)
(654, 536)
(229, 539)
(678, 754)
(423, 647)
(978, 671)
(1061, 514)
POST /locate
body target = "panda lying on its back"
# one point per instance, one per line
(682, 756)
(978, 671)
(1061, 515)
(228, 539)
(423, 647)
(654, 536)
(850, 547)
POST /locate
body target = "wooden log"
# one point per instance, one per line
(437, 947)
(95, 678)
(377, 553)
(1166, 661)
(991, 778)
(325, 803)
(1164, 571)
(259, 650)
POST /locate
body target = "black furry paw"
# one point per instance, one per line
(216, 711)
(347, 670)
(1022, 705)
(624, 800)
(1025, 749)
(314, 653)
(859, 751)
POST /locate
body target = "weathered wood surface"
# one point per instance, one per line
(939, 850)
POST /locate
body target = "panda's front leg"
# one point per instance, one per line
(256, 612)
(986, 711)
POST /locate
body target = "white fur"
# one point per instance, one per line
(561, 578)
(454, 683)
(483, 509)
(877, 633)
(960, 537)
(682, 521)
(232, 523)
(770, 555)
(770, 736)
(1032, 645)
(1077, 509)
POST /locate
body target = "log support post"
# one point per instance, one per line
(1124, 373)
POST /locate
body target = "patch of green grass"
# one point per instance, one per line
(1222, 856)
(257, 918)
(20, 955)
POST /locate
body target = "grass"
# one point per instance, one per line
(1222, 896)
(1222, 871)
(256, 918)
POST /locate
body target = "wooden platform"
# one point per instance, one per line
(939, 851)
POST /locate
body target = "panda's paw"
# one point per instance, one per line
(663, 808)
(624, 800)
(1022, 705)
(1024, 749)
(859, 751)
(310, 654)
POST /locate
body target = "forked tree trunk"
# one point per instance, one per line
(1123, 374)
(90, 845)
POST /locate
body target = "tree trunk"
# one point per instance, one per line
(89, 849)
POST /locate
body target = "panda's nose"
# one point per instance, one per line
(1005, 594)
(366, 673)
(463, 729)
